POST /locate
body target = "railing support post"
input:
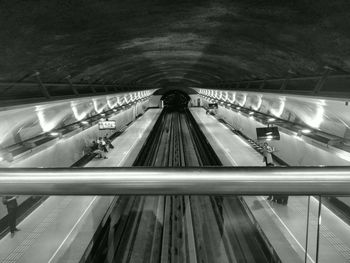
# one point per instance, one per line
(43, 89)
(322, 80)
(75, 91)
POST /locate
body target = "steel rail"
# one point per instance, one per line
(160, 181)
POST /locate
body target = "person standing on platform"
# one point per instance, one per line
(267, 150)
(103, 144)
(95, 148)
(11, 203)
(108, 142)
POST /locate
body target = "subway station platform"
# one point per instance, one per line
(284, 226)
(60, 229)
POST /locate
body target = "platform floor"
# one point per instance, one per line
(285, 226)
(49, 231)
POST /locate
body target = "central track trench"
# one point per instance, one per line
(179, 229)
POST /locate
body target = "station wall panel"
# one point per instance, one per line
(291, 149)
(69, 150)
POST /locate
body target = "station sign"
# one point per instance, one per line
(107, 125)
(267, 133)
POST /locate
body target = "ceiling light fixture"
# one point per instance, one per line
(305, 131)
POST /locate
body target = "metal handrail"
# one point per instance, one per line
(179, 181)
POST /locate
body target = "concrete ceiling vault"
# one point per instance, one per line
(160, 42)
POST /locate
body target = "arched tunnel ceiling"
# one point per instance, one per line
(161, 42)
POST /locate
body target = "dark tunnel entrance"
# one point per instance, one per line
(175, 99)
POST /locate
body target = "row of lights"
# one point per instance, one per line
(86, 122)
(298, 135)
(252, 113)
(58, 134)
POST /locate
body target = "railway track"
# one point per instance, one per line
(180, 229)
